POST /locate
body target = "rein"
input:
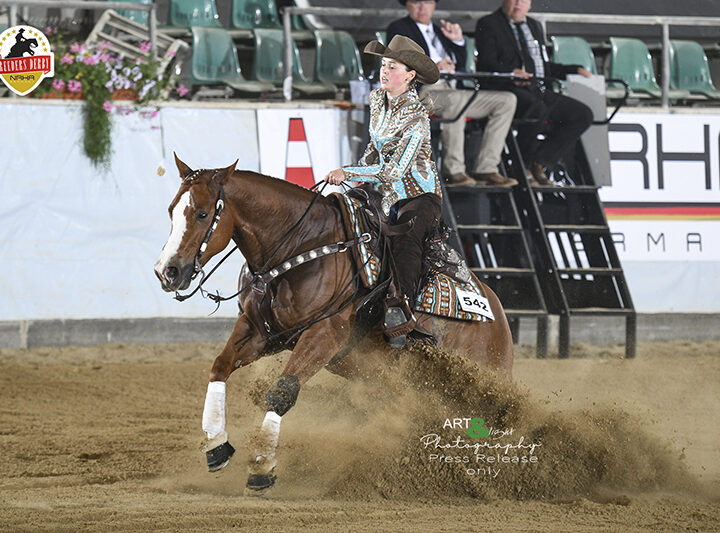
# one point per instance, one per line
(264, 276)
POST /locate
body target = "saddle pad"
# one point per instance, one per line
(366, 261)
(439, 297)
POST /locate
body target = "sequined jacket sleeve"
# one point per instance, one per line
(397, 134)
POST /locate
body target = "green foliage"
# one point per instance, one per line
(95, 72)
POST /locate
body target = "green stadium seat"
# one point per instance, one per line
(337, 60)
(185, 13)
(214, 62)
(630, 61)
(269, 63)
(573, 51)
(249, 14)
(689, 69)
(141, 17)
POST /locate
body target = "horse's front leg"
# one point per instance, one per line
(315, 348)
(243, 347)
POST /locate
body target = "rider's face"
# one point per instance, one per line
(394, 76)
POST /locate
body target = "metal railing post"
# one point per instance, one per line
(152, 27)
(666, 64)
(12, 16)
(287, 54)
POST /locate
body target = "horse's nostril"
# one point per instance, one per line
(171, 273)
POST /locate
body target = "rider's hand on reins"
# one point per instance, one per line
(336, 177)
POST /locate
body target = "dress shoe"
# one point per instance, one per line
(538, 172)
(495, 179)
(461, 179)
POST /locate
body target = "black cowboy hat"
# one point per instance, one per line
(409, 53)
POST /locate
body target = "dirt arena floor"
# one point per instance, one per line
(108, 438)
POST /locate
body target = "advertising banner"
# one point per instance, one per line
(664, 202)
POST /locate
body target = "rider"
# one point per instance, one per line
(397, 163)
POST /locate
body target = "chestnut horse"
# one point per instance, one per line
(260, 214)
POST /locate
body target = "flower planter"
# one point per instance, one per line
(62, 95)
(123, 94)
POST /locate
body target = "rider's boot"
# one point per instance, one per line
(399, 320)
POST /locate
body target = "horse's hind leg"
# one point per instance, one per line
(242, 348)
(316, 347)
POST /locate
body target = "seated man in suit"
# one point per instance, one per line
(445, 44)
(508, 40)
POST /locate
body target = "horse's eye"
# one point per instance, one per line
(202, 215)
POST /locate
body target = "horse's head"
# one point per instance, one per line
(200, 225)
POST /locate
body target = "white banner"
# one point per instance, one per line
(664, 203)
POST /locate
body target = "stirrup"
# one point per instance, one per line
(397, 324)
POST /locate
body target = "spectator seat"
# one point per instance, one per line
(269, 63)
(573, 51)
(630, 61)
(337, 60)
(249, 14)
(214, 61)
(689, 69)
(187, 13)
(141, 17)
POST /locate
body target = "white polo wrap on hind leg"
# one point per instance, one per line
(267, 444)
(213, 420)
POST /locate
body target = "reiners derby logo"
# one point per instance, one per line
(25, 58)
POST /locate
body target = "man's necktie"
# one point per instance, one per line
(525, 51)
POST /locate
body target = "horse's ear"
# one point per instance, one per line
(224, 174)
(184, 170)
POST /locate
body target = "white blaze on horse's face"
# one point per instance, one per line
(178, 227)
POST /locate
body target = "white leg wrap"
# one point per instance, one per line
(270, 429)
(267, 444)
(213, 420)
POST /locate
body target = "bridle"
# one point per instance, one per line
(268, 273)
(197, 264)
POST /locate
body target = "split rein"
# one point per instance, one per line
(265, 275)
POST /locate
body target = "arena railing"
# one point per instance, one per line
(664, 22)
(90, 4)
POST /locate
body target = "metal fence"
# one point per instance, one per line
(663, 22)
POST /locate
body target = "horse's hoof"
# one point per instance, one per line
(219, 457)
(260, 484)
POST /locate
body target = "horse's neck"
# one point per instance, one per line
(266, 210)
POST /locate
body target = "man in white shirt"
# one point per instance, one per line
(445, 44)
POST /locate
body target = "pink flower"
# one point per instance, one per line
(102, 45)
(74, 86)
(104, 57)
(107, 106)
(67, 59)
(76, 48)
(154, 113)
(58, 85)
(145, 46)
(182, 90)
(170, 53)
(90, 60)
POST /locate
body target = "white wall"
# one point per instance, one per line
(77, 243)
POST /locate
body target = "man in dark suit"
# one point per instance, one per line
(509, 41)
(445, 44)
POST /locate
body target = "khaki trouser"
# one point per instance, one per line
(497, 106)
